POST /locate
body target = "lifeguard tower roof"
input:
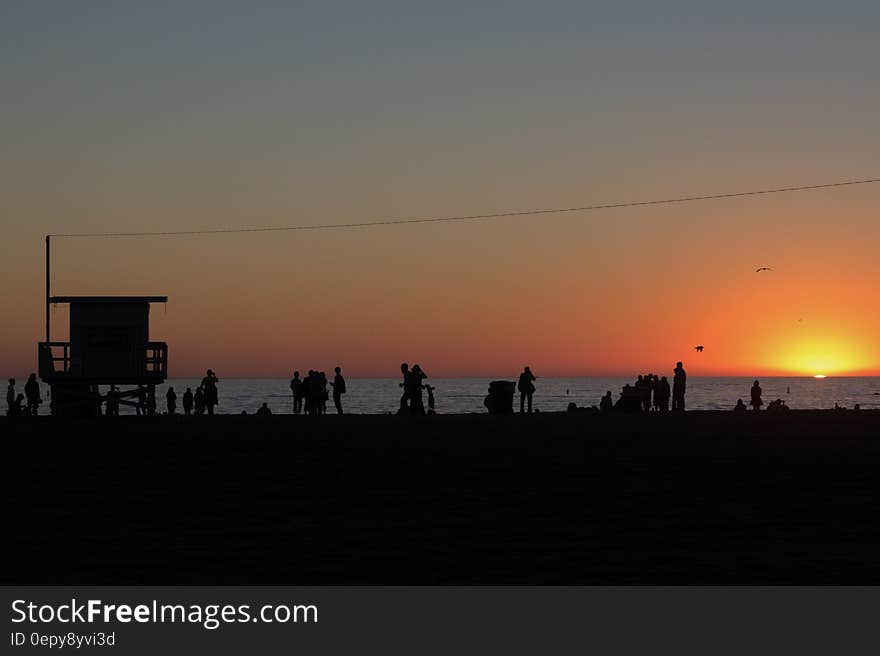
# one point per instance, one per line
(108, 299)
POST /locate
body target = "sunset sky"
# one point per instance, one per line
(186, 115)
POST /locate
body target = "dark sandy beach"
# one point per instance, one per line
(700, 498)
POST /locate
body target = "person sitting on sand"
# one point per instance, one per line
(756, 396)
(188, 401)
(606, 404)
(526, 388)
(740, 406)
(296, 388)
(263, 410)
(171, 401)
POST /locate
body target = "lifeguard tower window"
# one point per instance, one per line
(109, 343)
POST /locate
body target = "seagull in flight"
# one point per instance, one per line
(760, 269)
(699, 348)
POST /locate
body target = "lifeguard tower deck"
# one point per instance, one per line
(109, 345)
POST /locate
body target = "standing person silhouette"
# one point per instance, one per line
(188, 401)
(171, 400)
(338, 390)
(405, 397)
(308, 392)
(323, 395)
(665, 394)
(430, 390)
(416, 376)
(756, 396)
(526, 387)
(209, 383)
(10, 396)
(32, 393)
(112, 402)
(199, 400)
(679, 385)
(141, 407)
(296, 388)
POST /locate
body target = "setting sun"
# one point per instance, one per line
(823, 356)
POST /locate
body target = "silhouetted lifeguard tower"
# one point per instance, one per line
(109, 345)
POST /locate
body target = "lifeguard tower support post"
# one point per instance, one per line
(109, 345)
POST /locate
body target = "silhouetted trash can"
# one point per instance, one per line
(499, 401)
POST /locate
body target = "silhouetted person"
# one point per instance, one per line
(296, 388)
(32, 393)
(756, 396)
(430, 390)
(416, 376)
(323, 394)
(630, 399)
(308, 392)
(112, 402)
(405, 397)
(199, 400)
(607, 403)
(740, 406)
(263, 410)
(15, 408)
(642, 385)
(665, 393)
(209, 383)
(171, 400)
(679, 385)
(188, 401)
(338, 390)
(141, 407)
(10, 396)
(526, 387)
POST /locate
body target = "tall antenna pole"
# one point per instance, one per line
(47, 289)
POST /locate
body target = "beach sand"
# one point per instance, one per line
(699, 498)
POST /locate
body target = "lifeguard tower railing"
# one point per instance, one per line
(147, 366)
(108, 344)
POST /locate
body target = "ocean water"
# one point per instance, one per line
(462, 395)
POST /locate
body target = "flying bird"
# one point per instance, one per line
(699, 348)
(759, 269)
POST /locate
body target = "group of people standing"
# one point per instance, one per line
(200, 402)
(310, 394)
(650, 393)
(411, 401)
(31, 398)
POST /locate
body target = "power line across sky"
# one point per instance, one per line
(471, 217)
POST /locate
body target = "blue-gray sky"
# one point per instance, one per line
(128, 115)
